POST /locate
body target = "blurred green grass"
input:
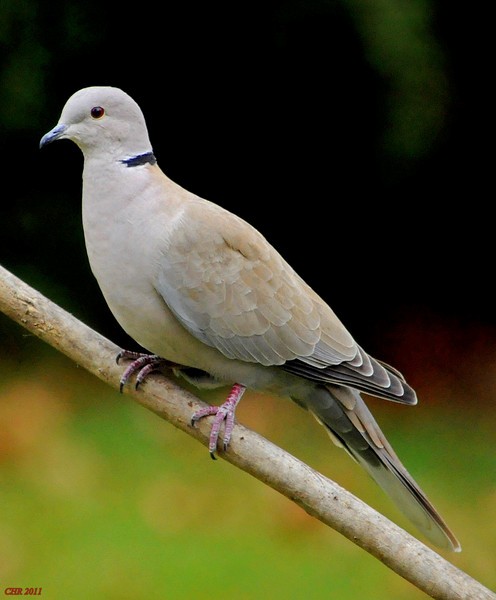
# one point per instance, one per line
(101, 499)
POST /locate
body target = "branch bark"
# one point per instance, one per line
(317, 495)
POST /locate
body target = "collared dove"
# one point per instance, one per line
(201, 288)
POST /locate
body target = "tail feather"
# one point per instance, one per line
(351, 425)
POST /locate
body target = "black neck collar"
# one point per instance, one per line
(140, 159)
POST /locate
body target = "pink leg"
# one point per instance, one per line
(224, 412)
(142, 364)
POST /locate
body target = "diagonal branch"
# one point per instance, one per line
(316, 494)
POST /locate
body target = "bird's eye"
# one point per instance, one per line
(97, 112)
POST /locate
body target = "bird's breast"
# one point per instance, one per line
(124, 233)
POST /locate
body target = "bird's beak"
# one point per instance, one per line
(55, 134)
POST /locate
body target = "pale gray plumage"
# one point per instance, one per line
(200, 287)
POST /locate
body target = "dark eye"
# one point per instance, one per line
(97, 112)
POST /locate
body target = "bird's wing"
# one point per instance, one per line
(232, 290)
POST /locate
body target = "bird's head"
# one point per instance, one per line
(102, 120)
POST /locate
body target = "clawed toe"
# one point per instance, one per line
(224, 412)
(142, 365)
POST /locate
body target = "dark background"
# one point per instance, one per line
(353, 135)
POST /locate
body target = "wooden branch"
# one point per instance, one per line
(316, 494)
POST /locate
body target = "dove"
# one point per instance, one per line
(206, 294)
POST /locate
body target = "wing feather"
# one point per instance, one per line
(231, 289)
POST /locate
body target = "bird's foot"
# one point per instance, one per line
(142, 364)
(224, 412)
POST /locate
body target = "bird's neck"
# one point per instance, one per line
(110, 185)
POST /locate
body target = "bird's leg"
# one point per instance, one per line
(142, 364)
(224, 412)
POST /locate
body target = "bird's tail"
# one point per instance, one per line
(351, 426)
